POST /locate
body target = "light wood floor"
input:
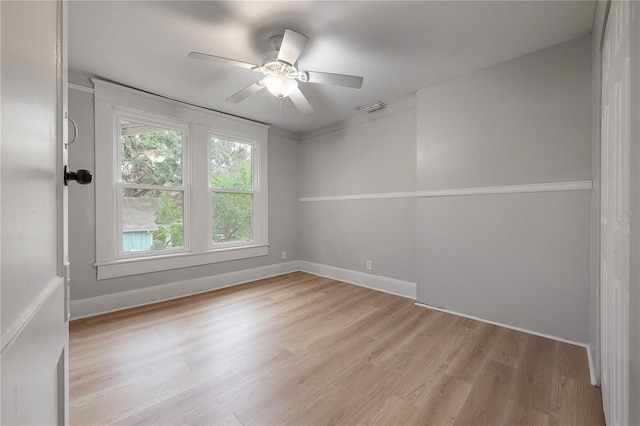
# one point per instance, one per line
(304, 350)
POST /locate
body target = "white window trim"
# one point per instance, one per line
(122, 114)
(255, 182)
(110, 99)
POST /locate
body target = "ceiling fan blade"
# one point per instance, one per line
(212, 58)
(344, 80)
(299, 100)
(245, 93)
(292, 46)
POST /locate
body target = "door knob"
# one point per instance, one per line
(83, 177)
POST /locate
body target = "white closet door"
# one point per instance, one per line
(615, 215)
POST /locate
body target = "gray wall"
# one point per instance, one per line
(523, 257)
(519, 259)
(527, 120)
(346, 234)
(283, 213)
(373, 157)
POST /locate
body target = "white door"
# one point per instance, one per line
(33, 205)
(615, 215)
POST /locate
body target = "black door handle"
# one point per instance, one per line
(83, 177)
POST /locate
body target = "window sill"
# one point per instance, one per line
(127, 267)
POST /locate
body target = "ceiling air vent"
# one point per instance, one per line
(372, 106)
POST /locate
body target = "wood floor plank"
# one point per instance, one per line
(389, 345)
(571, 361)
(519, 415)
(416, 384)
(444, 400)
(575, 402)
(533, 382)
(488, 399)
(381, 410)
(508, 347)
(466, 366)
(434, 332)
(308, 376)
(300, 349)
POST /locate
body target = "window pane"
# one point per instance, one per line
(150, 155)
(151, 220)
(230, 164)
(232, 217)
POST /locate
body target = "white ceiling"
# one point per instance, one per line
(397, 46)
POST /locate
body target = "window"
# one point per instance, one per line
(176, 185)
(231, 187)
(152, 185)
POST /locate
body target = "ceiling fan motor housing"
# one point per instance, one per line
(275, 42)
(280, 72)
(272, 66)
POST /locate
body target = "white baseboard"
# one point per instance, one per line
(592, 370)
(84, 308)
(130, 299)
(375, 282)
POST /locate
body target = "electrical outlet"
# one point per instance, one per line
(369, 265)
(284, 254)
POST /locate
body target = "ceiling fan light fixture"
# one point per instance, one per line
(281, 76)
(280, 85)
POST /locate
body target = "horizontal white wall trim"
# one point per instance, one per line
(81, 88)
(523, 330)
(582, 185)
(83, 308)
(375, 282)
(378, 196)
(13, 331)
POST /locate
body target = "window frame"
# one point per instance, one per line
(167, 124)
(254, 208)
(111, 99)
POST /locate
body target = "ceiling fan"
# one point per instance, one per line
(281, 76)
